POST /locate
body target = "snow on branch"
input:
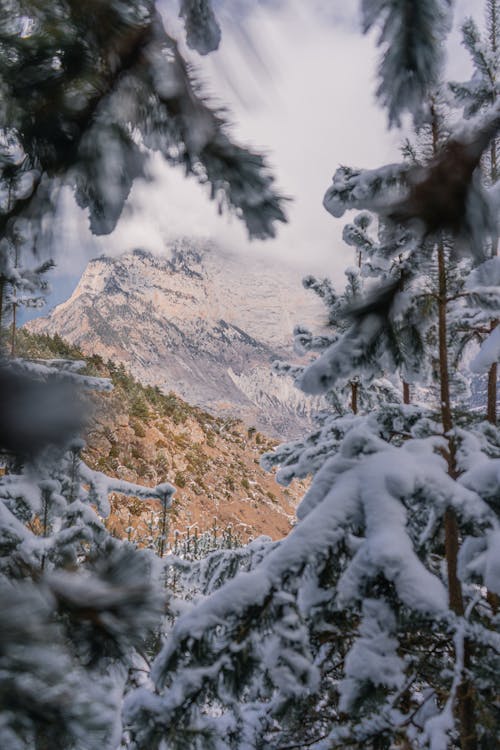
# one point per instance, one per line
(412, 37)
(343, 357)
(358, 487)
(101, 486)
(143, 93)
(445, 195)
(371, 189)
(202, 30)
(238, 178)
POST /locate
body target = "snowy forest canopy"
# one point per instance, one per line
(374, 623)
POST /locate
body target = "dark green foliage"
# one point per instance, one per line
(45, 346)
(180, 479)
(87, 92)
(139, 408)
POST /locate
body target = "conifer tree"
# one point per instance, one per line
(80, 603)
(349, 396)
(88, 91)
(370, 625)
(480, 92)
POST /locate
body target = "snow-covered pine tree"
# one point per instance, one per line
(480, 92)
(307, 648)
(78, 604)
(88, 92)
(350, 396)
(341, 634)
(20, 285)
(372, 624)
(353, 394)
(451, 301)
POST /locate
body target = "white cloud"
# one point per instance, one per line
(301, 90)
(299, 82)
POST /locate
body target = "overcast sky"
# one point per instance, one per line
(298, 79)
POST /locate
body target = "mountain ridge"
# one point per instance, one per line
(201, 322)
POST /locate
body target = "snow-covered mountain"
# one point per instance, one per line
(198, 321)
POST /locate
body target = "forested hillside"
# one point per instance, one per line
(138, 434)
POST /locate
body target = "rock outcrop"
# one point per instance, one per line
(200, 322)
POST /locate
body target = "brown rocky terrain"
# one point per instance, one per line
(139, 434)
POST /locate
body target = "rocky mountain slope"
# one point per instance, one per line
(201, 322)
(141, 435)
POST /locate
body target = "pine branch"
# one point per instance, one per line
(412, 36)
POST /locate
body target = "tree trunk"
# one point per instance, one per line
(406, 386)
(491, 413)
(13, 331)
(465, 700)
(163, 529)
(491, 410)
(45, 521)
(2, 288)
(492, 20)
(406, 393)
(354, 397)
(493, 23)
(444, 373)
(493, 599)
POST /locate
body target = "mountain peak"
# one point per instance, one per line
(199, 321)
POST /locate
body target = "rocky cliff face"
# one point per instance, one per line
(200, 322)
